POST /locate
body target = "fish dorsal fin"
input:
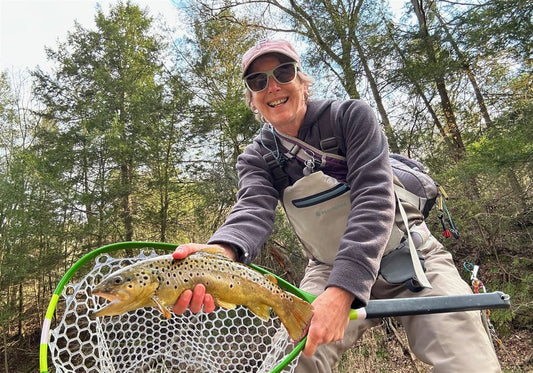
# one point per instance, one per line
(211, 249)
(210, 255)
(271, 278)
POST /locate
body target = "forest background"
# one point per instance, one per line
(133, 134)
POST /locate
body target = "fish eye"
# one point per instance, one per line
(117, 280)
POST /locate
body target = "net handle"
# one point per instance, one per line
(45, 332)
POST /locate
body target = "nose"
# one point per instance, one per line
(272, 84)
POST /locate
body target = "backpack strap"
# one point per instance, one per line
(275, 165)
(420, 276)
(409, 197)
(330, 145)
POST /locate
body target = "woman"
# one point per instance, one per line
(343, 274)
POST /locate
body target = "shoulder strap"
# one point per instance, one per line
(274, 159)
(304, 152)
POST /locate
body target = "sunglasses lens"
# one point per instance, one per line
(283, 74)
(257, 82)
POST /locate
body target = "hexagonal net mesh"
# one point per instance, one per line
(144, 341)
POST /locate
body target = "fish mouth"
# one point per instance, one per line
(108, 296)
(112, 308)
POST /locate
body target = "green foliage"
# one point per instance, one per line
(118, 111)
(491, 201)
(499, 25)
(507, 146)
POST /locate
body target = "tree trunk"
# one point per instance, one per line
(393, 142)
(419, 91)
(20, 309)
(6, 354)
(468, 70)
(127, 211)
(451, 129)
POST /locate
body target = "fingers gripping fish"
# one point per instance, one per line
(159, 281)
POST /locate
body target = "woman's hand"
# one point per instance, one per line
(197, 299)
(331, 314)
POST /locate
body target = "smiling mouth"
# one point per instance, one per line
(278, 102)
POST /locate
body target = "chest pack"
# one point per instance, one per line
(318, 205)
(412, 182)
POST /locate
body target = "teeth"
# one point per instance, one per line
(277, 102)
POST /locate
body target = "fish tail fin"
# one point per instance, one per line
(295, 316)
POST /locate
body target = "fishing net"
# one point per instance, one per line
(144, 341)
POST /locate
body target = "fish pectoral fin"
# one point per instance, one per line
(223, 304)
(157, 305)
(226, 305)
(260, 310)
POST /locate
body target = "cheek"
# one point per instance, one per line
(257, 101)
(253, 99)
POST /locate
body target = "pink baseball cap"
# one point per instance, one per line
(269, 46)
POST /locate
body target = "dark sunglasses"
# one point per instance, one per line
(283, 74)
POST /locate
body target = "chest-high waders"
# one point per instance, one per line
(318, 205)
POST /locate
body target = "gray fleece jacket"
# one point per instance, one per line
(369, 176)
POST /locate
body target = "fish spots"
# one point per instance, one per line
(143, 278)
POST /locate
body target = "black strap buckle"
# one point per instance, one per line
(329, 145)
(275, 164)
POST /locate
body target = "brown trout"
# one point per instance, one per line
(159, 281)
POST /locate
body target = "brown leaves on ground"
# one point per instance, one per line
(384, 349)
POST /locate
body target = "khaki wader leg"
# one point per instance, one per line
(326, 356)
(450, 342)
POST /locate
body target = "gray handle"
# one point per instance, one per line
(436, 304)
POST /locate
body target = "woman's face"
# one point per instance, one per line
(282, 105)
